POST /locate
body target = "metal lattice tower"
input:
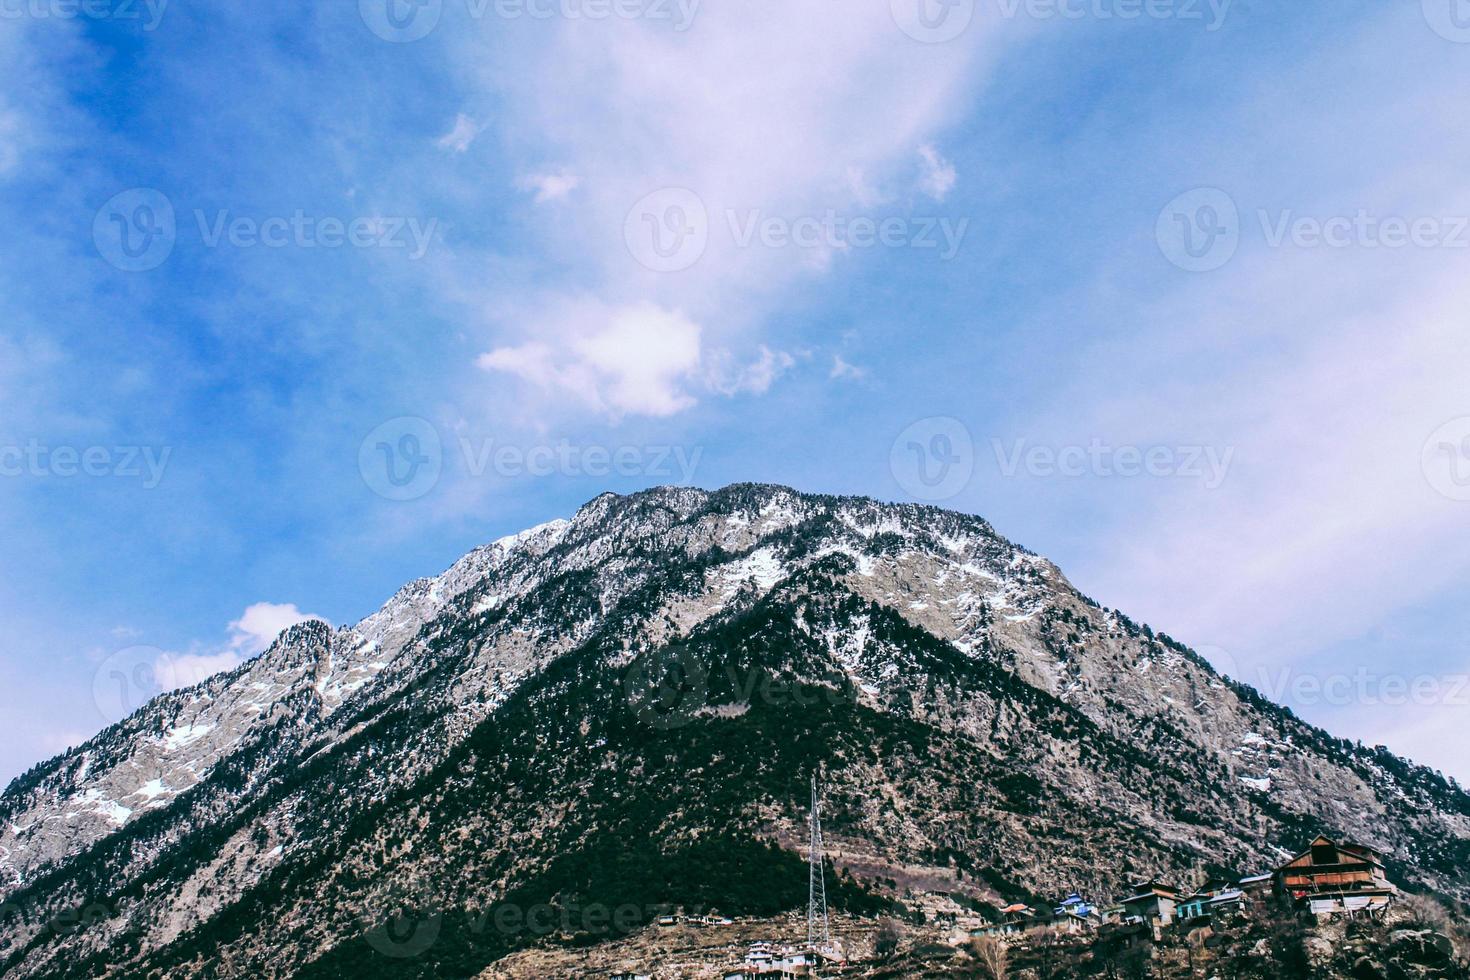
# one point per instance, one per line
(816, 908)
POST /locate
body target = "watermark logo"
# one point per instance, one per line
(1221, 659)
(668, 230)
(1211, 13)
(680, 12)
(406, 925)
(933, 459)
(401, 21)
(402, 936)
(135, 230)
(302, 230)
(1207, 464)
(1450, 19)
(401, 459)
(138, 229)
(125, 681)
(404, 458)
(18, 917)
(932, 21)
(1445, 459)
(1363, 687)
(1199, 231)
(666, 688)
(564, 458)
(834, 232)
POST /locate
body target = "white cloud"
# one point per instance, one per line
(632, 361)
(550, 186)
(841, 369)
(937, 175)
(726, 377)
(260, 624)
(255, 630)
(459, 138)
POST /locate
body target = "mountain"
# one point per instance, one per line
(577, 726)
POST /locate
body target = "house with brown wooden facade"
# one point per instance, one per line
(1332, 877)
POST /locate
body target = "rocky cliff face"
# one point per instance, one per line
(610, 713)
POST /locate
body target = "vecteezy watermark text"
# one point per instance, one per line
(405, 21)
(150, 12)
(36, 459)
(670, 229)
(302, 230)
(403, 458)
(938, 21)
(672, 687)
(1363, 687)
(831, 230)
(1208, 464)
(137, 229)
(1201, 230)
(567, 459)
(65, 921)
(415, 924)
(1211, 14)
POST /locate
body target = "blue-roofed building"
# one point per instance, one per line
(1074, 904)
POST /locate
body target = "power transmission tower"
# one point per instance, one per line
(817, 932)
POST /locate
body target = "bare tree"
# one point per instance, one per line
(890, 932)
(993, 956)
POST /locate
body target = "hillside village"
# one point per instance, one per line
(1330, 894)
(1328, 878)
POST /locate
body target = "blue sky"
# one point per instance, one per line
(1173, 293)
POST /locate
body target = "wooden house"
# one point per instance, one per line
(1331, 876)
(1152, 902)
(1014, 919)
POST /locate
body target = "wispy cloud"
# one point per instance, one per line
(724, 375)
(550, 186)
(842, 370)
(937, 175)
(459, 138)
